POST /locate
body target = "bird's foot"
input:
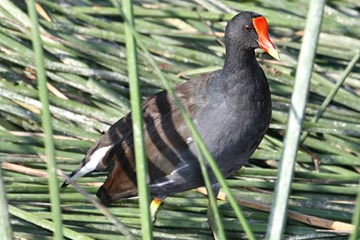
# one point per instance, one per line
(154, 206)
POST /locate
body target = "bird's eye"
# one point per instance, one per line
(247, 28)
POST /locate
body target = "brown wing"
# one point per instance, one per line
(166, 136)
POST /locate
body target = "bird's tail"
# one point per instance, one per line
(89, 164)
(74, 174)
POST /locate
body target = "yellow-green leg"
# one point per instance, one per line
(154, 206)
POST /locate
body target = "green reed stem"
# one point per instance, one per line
(35, 219)
(213, 212)
(278, 214)
(46, 122)
(136, 114)
(5, 227)
(356, 218)
(334, 90)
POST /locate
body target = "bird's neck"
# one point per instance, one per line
(238, 60)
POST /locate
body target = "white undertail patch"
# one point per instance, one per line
(189, 140)
(91, 165)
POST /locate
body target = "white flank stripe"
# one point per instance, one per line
(95, 159)
(179, 168)
(161, 184)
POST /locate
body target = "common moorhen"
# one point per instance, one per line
(231, 109)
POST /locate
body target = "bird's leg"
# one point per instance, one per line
(215, 188)
(154, 206)
(213, 214)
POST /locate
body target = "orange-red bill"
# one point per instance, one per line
(264, 41)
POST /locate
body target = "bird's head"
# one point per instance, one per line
(249, 30)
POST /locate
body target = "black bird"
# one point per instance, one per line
(231, 109)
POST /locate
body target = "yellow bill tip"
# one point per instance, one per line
(274, 53)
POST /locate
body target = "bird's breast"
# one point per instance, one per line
(232, 126)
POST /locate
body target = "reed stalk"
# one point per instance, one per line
(46, 123)
(278, 215)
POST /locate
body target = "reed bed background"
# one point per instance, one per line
(86, 70)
